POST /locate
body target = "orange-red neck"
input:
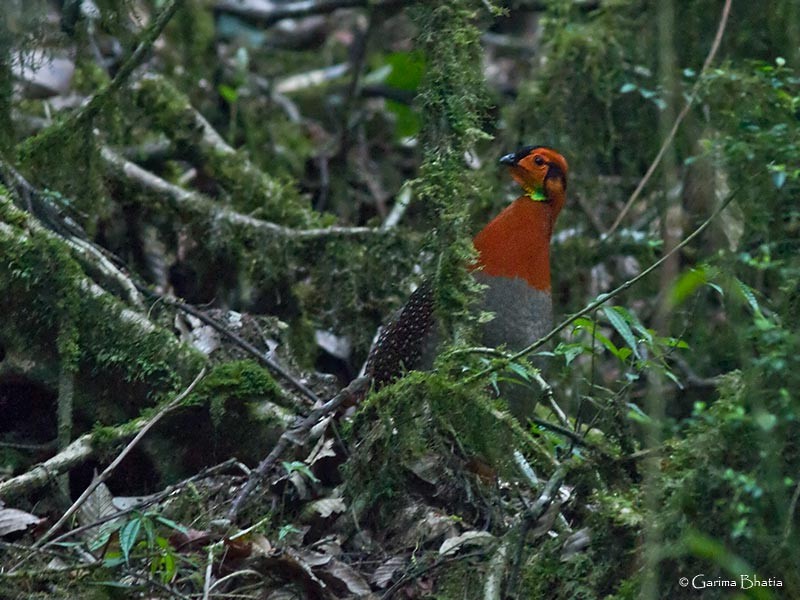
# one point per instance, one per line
(516, 243)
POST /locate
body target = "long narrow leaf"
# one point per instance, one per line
(622, 327)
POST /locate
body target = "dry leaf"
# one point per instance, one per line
(384, 573)
(468, 538)
(13, 520)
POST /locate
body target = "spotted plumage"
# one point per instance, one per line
(405, 340)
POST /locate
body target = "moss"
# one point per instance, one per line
(251, 190)
(6, 87)
(65, 157)
(429, 415)
(460, 580)
(608, 568)
(119, 360)
(235, 380)
(452, 99)
(193, 29)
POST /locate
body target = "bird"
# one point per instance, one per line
(513, 263)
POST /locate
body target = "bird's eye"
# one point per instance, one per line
(538, 160)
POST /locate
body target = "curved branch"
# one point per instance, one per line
(684, 111)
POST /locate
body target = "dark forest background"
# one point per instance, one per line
(208, 208)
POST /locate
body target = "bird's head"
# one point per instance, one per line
(541, 171)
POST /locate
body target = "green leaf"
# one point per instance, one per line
(407, 121)
(686, 284)
(301, 468)
(170, 523)
(607, 343)
(113, 559)
(569, 351)
(749, 295)
(165, 564)
(229, 94)
(617, 320)
(520, 370)
(627, 88)
(128, 535)
(407, 70)
(150, 531)
(638, 326)
(671, 342)
(287, 530)
(637, 414)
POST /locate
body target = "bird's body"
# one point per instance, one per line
(514, 264)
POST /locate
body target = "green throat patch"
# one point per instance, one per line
(537, 195)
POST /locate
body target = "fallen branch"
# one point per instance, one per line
(76, 453)
(194, 136)
(89, 287)
(497, 566)
(243, 344)
(293, 435)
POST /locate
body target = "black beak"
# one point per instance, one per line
(509, 159)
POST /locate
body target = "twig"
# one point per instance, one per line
(150, 500)
(602, 299)
(358, 53)
(207, 578)
(52, 444)
(526, 469)
(684, 111)
(787, 530)
(356, 387)
(243, 344)
(594, 219)
(401, 204)
(497, 565)
(96, 256)
(115, 463)
(149, 37)
(302, 81)
(567, 433)
(153, 583)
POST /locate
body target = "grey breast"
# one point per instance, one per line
(522, 314)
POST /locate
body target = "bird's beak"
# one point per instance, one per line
(508, 159)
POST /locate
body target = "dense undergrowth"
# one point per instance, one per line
(292, 179)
